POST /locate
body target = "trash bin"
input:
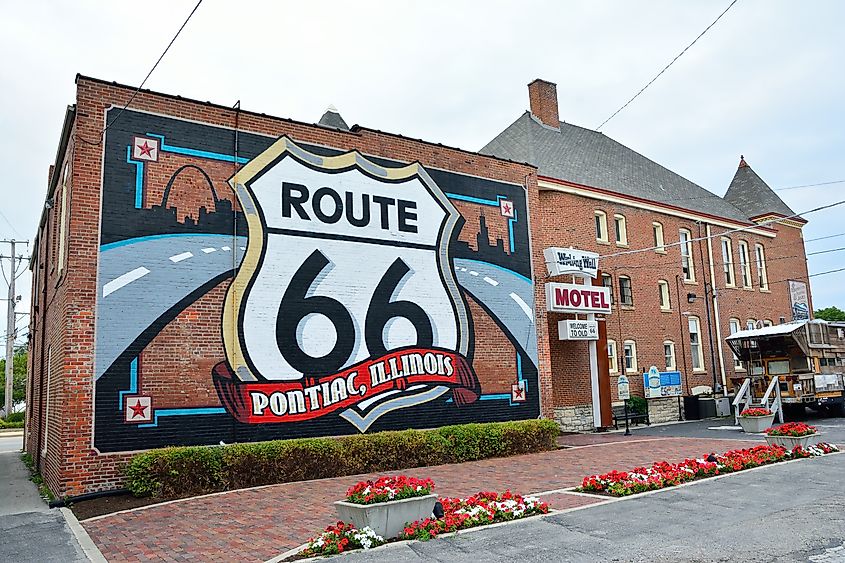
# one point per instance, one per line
(723, 406)
(691, 410)
(707, 407)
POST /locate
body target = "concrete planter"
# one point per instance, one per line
(756, 424)
(789, 442)
(387, 519)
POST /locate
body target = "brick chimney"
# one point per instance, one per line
(543, 98)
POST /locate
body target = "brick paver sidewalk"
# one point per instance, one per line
(258, 524)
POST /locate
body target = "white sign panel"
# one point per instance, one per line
(623, 388)
(572, 298)
(570, 261)
(578, 330)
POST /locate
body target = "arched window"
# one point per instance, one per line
(621, 227)
(611, 356)
(626, 292)
(669, 355)
(762, 275)
(630, 353)
(744, 264)
(663, 292)
(687, 264)
(736, 326)
(659, 243)
(696, 349)
(601, 226)
(728, 262)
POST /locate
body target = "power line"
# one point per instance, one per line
(826, 251)
(678, 56)
(809, 185)
(138, 89)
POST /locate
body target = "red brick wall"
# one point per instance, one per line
(568, 220)
(72, 466)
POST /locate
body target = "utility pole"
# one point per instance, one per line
(10, 324)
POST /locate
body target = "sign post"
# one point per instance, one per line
(623, 390)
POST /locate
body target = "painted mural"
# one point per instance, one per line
(252, 288)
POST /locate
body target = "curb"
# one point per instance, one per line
(92, 552)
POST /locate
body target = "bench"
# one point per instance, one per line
(633, 417)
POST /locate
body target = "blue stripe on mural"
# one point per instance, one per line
(139, 177)
(182, 412)
(164, 147)
(133, 383)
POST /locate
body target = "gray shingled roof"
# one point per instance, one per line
(591, 158)
(333, 119)
(752, 195)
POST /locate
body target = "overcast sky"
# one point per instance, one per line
(766, 81)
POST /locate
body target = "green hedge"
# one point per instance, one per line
(187, 471)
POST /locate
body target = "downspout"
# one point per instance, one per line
(707, 305)
(716, 315)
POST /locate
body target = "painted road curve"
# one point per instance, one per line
(174, 267)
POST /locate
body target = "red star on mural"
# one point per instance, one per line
(138, 409)
(506, 208)
(146, 149)
(518, 393)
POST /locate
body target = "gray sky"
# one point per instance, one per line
(766, 81)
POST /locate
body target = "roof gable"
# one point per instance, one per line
(752, 195)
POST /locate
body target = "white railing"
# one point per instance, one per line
(743, 399)
(777, 404)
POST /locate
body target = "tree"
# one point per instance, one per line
(18, 380)
(830, 314)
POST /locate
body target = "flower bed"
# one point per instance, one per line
(458, 514)
(477, 510)
(339, 538)
(663, 474)
(389, 488)
(755, 411)
(793, 429)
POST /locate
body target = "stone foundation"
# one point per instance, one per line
(575, 419)
(664, 410)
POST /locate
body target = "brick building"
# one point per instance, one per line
(676, 301)
(203, 273)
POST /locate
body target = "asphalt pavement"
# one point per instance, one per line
(784, 512)
(30, 531)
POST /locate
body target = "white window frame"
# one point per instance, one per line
(735, 325)
(728, 262)
(601, 227)
(745, 264)
(762, 273)
(750, 324)
(659, 240)
(609, 278)
(663, 291)
(622, 301)
(674, 364)
(612, 360)
(768, 322)
(696, 346)
(620, 226)
(687, 260)
(633, 346)
(63, 214)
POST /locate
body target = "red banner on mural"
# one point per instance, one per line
(294, 401)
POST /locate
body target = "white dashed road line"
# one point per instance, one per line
(226, 248)
(209, 250)
(473, 273)
(126, 278)
(491, 281)
(180, 257)
(243, 248)
(524, 306)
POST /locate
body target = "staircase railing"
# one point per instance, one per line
(777, 404)
(744, 398)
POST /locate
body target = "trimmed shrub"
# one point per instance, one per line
(186, 471)
(15, 417)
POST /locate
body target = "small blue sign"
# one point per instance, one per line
(669, 384)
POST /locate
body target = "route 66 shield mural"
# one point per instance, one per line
(256, 288)
(345, 300)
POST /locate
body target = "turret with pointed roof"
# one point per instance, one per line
(753, 196)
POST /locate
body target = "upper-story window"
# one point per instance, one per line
(686, 255)
(607, 281)
(760, 257)
(621, 228)
(63, 216)
(663, 292)
(728, 262)
(768, 322)
(751, 324)
(744, 264)
(601, 226)
(659, 241)
(626, 294)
